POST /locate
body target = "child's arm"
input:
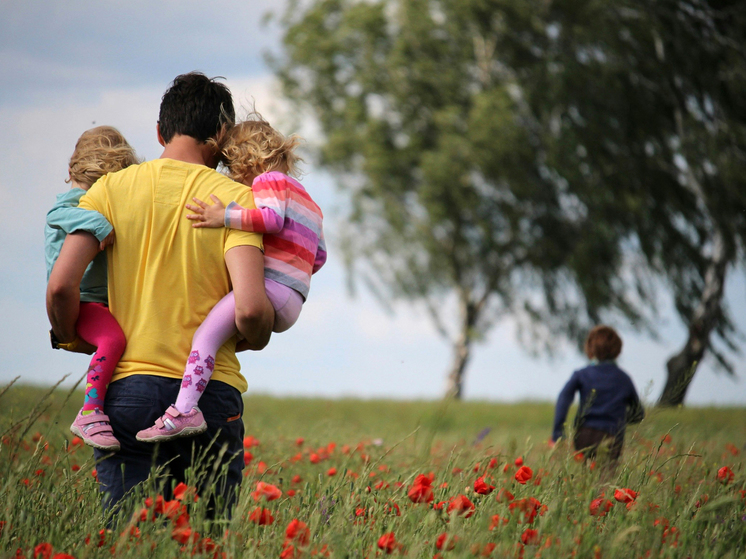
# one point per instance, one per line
(73, 218)
(320, 254)
(564, 401)
(635, 411)
(270, 197)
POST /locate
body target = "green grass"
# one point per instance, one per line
(379, 448)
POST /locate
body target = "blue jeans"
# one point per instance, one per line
(134, 403)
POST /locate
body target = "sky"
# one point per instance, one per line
(69, 66)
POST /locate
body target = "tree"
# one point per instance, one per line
(497, 156)
(663, 123)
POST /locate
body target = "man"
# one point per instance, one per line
(164, 278)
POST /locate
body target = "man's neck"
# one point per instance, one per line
(189, 150)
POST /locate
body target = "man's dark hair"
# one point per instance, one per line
(195, 106)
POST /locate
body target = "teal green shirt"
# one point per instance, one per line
(66, 217)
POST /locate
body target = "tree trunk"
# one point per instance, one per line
(455, 382)
(682, 366)
(462, 348)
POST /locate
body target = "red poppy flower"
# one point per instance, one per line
(331, 471)
(421, 490)
(297, 532)
(182, 532)
(266, 490)
(496, 521)
(725, 475)
(446, 542)
(600, 506)
(183, 492)
(530, 537)
(314, 458)
(299, 441)
(481, 487)
(528, 508)
(388, 543)
(247, 458)
(503, 496)
(524, 474)
(461, 505)
(625, 495)
(261, 516)
(250, 441)
(62, 556)
(289, 552)
(519, 461)
(43, 551)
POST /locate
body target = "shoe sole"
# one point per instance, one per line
(186, 432)
(78, 433)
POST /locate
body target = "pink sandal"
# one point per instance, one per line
(95, 430)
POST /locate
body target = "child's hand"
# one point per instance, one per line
(108, 241)
(207, 216)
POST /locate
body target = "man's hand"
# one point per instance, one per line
(108, 241)
(207, 216)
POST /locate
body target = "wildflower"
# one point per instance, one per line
(528, 508)
(314, 458)
(247, 458)
(600, 506)
(446, 542)
(43, 551)
(299, 441)
(503, 496)
(579, 457)
(261, 516)
(421, 490)
(530, 537)
(496, 521)
(266, 490)
(523, 474)
(331, 471)
(182, 532)
(297, 532)
(519, 461)
(296, 479)
(481, 487)
(725, 475)
(388, 543)
(76, 441)
(250, 441)
(461, 505)
(492, 463)
(625, 495)
(183, 492)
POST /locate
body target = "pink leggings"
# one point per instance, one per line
(220, 325)
(98, 327)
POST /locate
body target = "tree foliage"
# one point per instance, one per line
(528, 158)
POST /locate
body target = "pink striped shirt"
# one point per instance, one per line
(294, 246)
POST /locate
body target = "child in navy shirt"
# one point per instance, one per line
(608, 400)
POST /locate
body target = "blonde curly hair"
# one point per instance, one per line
(99, 151)
(253, 147)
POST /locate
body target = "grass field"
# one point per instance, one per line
(347, 489)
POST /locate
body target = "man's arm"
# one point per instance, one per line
(254, 313)
(63, 289)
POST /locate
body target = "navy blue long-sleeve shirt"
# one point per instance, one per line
(606, 395)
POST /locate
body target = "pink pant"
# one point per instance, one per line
(98, 327)
(220, 325)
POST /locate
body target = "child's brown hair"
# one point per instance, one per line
(603, 343)
(253, 147)
(99, 151)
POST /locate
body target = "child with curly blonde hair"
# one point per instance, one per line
(98, 151)
(258, 156)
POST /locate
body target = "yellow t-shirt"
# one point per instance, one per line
(164, 275)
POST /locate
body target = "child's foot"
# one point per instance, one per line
(95, 430)
(174, 424)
